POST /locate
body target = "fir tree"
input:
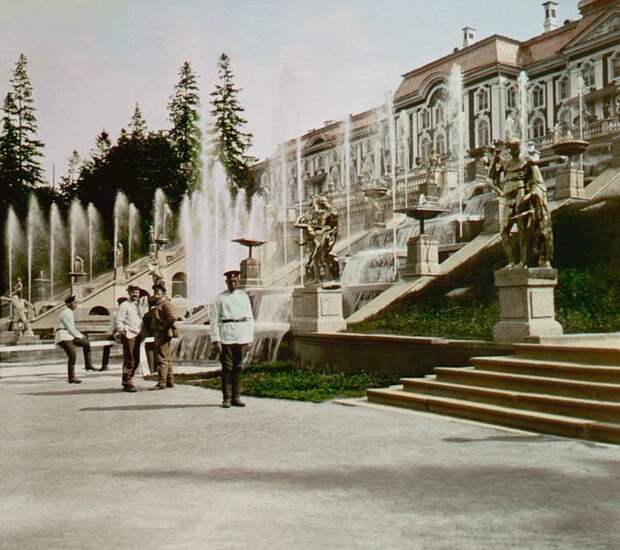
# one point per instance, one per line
(137, 125)
(185, 134)
(10, 182)
(230, 142)
(101, 149)
(23, 116)
(69, 183)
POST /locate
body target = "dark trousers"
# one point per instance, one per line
(131, 358)
(69, 347)
(231, 360)
(149, 350)
(163, 359)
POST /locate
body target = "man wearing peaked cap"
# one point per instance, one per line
(232, 329)
(163, 331)
(128, 325)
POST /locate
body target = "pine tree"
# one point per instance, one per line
(10, 183)
(22, 112)
(137, 125)
(230, 142)
(101, 149)
(185, 134)
(69, 183)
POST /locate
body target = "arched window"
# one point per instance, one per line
(615, 65)
(425, 149)
(482, 99)
(538, 96)
(483, 136)
(179, 285)
(538, 128)
(511, 97)
(439, 114)
(563, 88)
(425, 119)
(99, 310)
(587, 73)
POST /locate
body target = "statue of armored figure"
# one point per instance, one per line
(519, 183)
(320, 227)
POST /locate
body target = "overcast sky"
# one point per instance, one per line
(299, 62)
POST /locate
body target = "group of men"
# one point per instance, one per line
(138, 316)
(232, 330)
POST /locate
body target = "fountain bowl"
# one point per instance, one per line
(375, 191)
(570, 148)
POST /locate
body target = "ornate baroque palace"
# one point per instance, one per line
(571, 73)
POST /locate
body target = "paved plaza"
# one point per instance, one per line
(89, 467)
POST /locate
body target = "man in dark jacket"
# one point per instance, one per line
(163, 327)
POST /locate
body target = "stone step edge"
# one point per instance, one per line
(517, 361)
(491, 375)
(505, 416)
(545, 348)
(611, 406)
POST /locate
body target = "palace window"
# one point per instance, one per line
(587, 73)
(511, 97)
(425, 149)
(538, 96)
(538, 128)
(439, 114)
(482, 99)
(563, 88)
(425, 119)
(483, 133)
(440, 145)
(615, 65)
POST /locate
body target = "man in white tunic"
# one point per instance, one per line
(67, 336)
(128, 325)
(232, 329)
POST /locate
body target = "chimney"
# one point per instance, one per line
(469, 36)
(551, 15)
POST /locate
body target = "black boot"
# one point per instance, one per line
(225, 393)
(236, 399)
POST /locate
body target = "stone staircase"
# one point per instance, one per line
(562, 390)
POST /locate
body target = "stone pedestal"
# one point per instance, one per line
(569, 183)
(492, 216)
(250, 273)
(422, 257)
(119, 274)
(526, 304)
(317, 309)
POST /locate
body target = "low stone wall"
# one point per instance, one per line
(403, 355)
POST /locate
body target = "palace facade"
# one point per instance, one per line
(554, 62)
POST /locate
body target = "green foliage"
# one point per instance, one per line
(185, 135)
(283, 380)
(230, 143)
(137, 124)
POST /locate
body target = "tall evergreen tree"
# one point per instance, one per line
(101, 149)
(69, 182)
(137, 124)
(185, 134)
(10, 184)
(230, 143)
(22, 112)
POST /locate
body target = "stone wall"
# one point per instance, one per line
(403, 355)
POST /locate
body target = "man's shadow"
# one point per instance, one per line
(146, 407)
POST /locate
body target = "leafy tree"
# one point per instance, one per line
(230, 142)
(22, 113)
(137, 124)
(185, 134)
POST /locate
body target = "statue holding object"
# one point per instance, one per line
(320, 227)
(154, 268)
(22, 310)
(519, 183)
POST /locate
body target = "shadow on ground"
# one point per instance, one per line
(146, 407)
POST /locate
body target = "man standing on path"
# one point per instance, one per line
(163, 332)
(232, 329)
(128, 326)
(67, 336)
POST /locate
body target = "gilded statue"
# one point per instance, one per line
(520, 186)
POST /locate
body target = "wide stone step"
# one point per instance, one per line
(548, 368)
(505, 416)
(604, 411)
(608, 356)
(531, 384)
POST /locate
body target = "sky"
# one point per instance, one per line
(299, 62)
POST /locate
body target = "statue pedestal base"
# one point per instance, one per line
(569, 183)
(422, 257)
(526, 304)
(119, 274)
(250, 273)
(317, 309)
(13, 337)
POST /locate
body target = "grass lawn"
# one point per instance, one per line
(284, 380)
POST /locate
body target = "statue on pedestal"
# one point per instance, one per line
(120, 255)
(320, 227)
(22, 310)
(520, 185)
(78, 265)
(154, 268)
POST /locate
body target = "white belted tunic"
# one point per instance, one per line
(232, 321)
